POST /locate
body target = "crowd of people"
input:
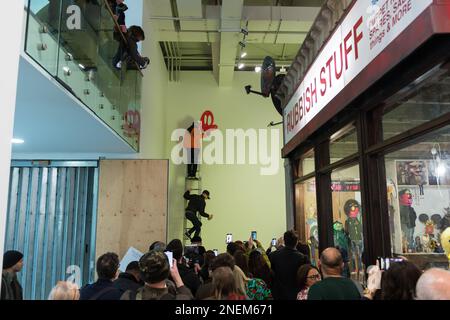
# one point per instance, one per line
(245, 272)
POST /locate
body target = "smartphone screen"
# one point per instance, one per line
(274, 242)
(216, 252)
(254, 235)
(229, 238)
(169, 255)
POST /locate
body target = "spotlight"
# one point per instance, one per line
(242, 44)
(243, 54)
(244, 31)
(258, 69)
(241, 66)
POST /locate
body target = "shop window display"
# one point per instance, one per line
(307, 217)
(429, 101)
(305, 164)
(347, 219)
(343, 144)
(418, 180)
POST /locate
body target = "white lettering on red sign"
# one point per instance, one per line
(366, 31)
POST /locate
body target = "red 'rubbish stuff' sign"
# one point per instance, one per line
(369, 27)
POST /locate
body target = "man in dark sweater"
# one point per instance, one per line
(333, 286)
(130, 279)
(104, 289)
(285, 263)
(197, 203)
(128, 53)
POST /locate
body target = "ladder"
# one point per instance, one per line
(196, 188)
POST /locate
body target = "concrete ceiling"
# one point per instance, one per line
(51, 121)
(205, 34)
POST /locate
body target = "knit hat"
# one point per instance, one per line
(10, 258)
(154, 267)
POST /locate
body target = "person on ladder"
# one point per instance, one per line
(197, 203)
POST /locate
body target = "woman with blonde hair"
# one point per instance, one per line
(224, 286)
(65, 290)
(253, 288)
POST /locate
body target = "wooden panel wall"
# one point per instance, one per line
(132, 205)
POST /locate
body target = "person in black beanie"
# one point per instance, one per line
(12, 264)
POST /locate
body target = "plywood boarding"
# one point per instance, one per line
(132, 205)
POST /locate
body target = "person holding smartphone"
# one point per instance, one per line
(197, 203)
(155, 270)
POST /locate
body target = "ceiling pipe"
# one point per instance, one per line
(250, 32)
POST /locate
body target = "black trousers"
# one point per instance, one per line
(193, 155)
(197, 225)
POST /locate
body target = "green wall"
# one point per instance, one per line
(242, 199)
(154, 92)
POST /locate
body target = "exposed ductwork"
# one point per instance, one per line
(205, 35)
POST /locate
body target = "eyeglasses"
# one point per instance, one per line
(314, 277)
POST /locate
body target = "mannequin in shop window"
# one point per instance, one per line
(408, 218)
(341, 242)
(353, 227)
(429, 240)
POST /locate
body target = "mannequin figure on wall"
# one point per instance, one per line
(353, 227)
(408, 217)
(192, 144)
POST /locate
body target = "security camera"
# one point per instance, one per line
(248, 89)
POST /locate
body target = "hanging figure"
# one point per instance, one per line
(353, 227)
(192, 144)
(127, 54)
(408, 217)
(197, 203)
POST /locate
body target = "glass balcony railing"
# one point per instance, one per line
(73, 41)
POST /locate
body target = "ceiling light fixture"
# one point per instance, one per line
(17, 141)
(243, 54)
(241, 66)
(258, 69)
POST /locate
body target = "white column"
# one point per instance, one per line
(12, 22)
